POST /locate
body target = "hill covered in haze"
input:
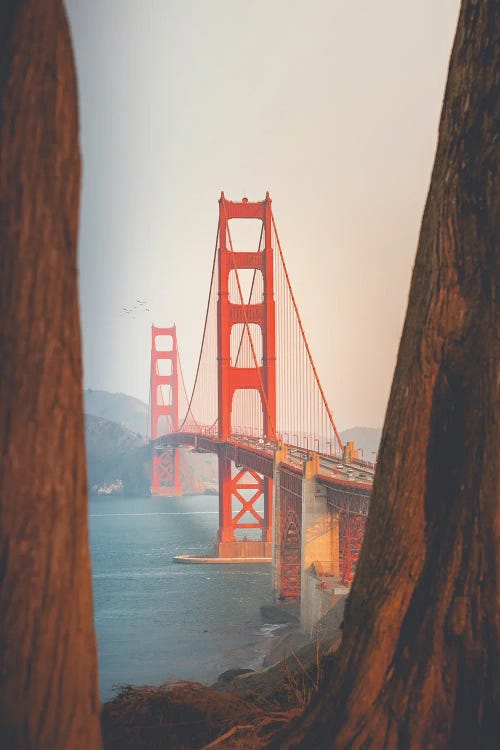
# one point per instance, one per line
(118, 460)
(117, 407)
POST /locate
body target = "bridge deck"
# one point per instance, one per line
(348, 479)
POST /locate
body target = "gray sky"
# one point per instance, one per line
(332, 106)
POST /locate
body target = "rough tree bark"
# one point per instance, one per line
(48, 669)
(419, 663)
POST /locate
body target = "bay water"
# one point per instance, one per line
(157, 620)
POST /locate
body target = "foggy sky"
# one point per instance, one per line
(332, 106)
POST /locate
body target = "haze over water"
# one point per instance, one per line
(158, 620)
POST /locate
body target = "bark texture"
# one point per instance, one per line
(419, 663)
(48, 668)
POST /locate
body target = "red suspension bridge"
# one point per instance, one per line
(258, 404)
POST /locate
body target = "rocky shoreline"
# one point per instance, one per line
(189, 714)
(294, 653)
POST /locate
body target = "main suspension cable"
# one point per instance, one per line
(204, 332)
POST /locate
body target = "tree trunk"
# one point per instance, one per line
(48, 694)
(419, 663)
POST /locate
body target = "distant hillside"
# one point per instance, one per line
(117, 407)
(119, 462)
(366, 438)
(116, 457)
(204, 467)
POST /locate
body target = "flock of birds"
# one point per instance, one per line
(139, 307)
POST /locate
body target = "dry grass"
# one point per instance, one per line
(191, 716)
(183, 715)
(187, 716)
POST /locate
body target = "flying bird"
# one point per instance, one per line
(139, 307)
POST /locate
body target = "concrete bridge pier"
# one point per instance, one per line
(319, 581)
(306, 557)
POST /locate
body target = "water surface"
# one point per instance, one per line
(159, 620)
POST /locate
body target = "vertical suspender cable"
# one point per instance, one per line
(308, 351)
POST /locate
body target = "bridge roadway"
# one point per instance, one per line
(352, 478)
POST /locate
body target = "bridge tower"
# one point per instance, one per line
(261, 377)
(164, 412)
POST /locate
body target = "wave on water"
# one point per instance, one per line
(134, 575)
(267, 628)
(159, 513)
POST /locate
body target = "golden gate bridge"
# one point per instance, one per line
(258, 403)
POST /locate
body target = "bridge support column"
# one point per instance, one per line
(258, 374)
(242, 488)
(164, 412)
(319, 548)
(287, 510)
(166, 472)
(279, 456)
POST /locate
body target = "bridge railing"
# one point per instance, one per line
(365, 464)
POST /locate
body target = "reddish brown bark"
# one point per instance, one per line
(48, 693)
(419, 663)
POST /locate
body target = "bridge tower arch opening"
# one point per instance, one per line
(164, 410)
(245, 364)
